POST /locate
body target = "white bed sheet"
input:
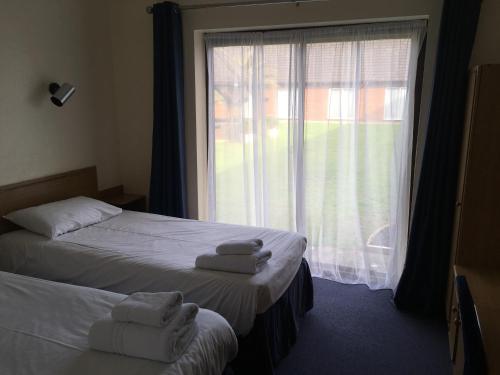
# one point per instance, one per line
(44, 326)
(144, 252)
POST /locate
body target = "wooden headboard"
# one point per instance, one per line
(44, 190)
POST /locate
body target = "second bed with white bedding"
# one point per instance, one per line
(144, 252)
(44, 327)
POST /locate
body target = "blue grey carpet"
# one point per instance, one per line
(354, 330)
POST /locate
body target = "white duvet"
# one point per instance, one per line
(144, 252)
(44, 326)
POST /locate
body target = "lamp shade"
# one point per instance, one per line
(60, 94)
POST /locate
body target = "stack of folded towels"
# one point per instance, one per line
(157, 326)
(241, 256)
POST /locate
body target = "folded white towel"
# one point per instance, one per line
(239, 247)
(165, 344)
(234, 263)
(185, 316)
(154, 309)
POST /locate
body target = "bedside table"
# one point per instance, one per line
(116, 197)
(130, 202)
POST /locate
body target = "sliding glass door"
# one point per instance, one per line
(311, 130)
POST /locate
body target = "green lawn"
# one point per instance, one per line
(346, 180)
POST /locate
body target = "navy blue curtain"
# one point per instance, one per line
(422, 287)
(167, 193)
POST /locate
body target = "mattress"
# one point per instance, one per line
(144, 252)
(44, 326)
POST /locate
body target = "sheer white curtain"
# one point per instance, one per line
(311, 130)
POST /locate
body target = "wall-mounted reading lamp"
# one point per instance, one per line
(60, 93)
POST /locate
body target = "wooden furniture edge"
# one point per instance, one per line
(46, 189)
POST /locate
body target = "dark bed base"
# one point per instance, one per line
(275, 331)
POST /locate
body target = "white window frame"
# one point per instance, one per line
(282, 104)
(341, 103)
(394, 103)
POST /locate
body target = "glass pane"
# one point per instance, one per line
(313, 135)
(252, 136)
(348, 153)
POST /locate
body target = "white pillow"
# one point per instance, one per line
(56, 218)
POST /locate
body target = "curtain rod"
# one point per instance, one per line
(149, 9)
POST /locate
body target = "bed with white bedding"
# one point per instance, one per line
(44, 326)
(144, 252)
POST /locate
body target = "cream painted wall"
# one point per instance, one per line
(56, 40)
(106, 51)
(132, 46)
(133, 78)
